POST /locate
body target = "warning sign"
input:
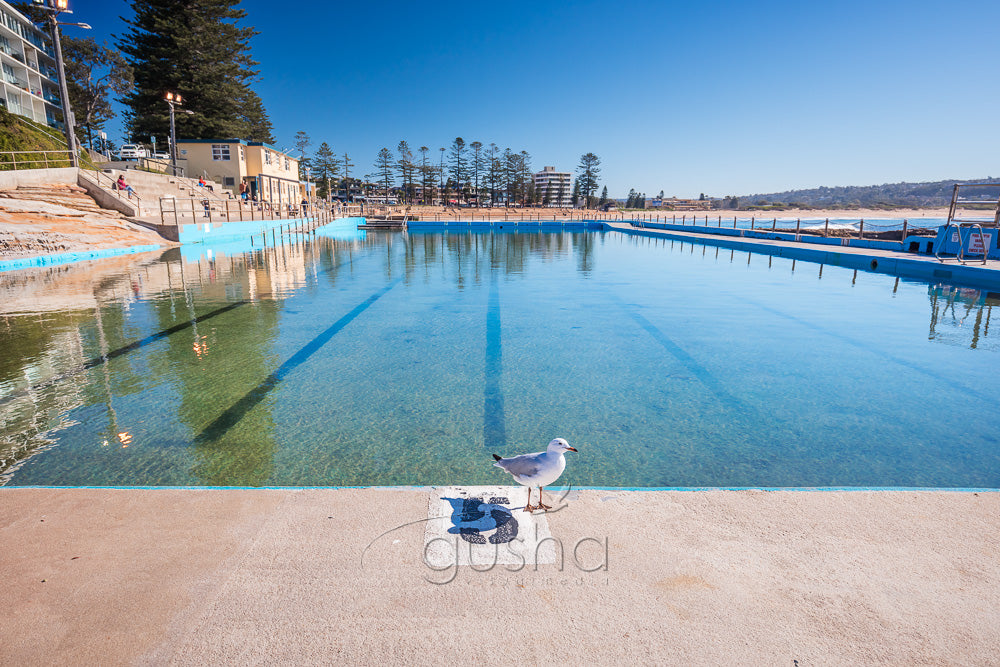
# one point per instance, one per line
(977, 241)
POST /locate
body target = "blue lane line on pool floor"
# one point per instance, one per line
(870, 348)
(125, 349)
(494, 418)
(238, 410)
(696, 369)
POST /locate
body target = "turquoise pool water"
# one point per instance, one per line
(408, 359)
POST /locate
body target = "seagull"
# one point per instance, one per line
(539, 469)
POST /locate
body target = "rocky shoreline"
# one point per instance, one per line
(56, 218)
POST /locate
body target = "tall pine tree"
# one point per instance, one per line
(327, 167)
(198, 49)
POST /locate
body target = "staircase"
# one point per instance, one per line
(151, 188)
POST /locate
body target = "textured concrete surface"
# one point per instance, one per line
(338, 576)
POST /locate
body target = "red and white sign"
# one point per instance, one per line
(976, 241)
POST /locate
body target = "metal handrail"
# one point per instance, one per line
(177, 171)
(66, 157)
(974, 226)
(225, 210)
(982, 240)
(113, 185)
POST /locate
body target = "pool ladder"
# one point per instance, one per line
(973, 224)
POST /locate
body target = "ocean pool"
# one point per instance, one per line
(407, 359)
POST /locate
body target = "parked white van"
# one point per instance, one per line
(132, 152)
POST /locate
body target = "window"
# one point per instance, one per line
(229, 181)
(286, 164)
(243, 155)
(220, 152)
(267, 156)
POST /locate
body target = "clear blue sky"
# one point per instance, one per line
(721, 98)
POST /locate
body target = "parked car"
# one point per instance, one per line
(161, 156)
(132, 152)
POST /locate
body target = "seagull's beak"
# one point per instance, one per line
(571, 449)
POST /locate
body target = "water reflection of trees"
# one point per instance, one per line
(468, 257)
(60, 324)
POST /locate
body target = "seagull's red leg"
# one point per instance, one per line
(528, 507)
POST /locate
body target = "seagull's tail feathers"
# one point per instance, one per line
(498, 458)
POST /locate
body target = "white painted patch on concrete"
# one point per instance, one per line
(483, 526)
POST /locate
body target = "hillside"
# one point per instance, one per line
(888, 195)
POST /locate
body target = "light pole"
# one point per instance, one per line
(441, 179)
(54, 7)
(174, 99)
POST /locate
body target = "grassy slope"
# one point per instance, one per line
(17, 133)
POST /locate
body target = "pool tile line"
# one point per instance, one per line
(125, 349)
(232, 416)
(494, 418)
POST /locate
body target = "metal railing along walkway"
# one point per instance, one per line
(12, 160)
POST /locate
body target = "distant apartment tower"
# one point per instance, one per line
(554, 187)
(30, 81)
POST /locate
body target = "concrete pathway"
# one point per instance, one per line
(199, 577)
(893, 262)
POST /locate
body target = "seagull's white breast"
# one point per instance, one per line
(550, 470)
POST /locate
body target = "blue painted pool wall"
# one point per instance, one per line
(204, 232)
(779, 236)
(69, 257)
(506, 225)
(943, 241)
(899, 266)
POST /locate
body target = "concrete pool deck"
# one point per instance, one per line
(304, 576)
(893, 262)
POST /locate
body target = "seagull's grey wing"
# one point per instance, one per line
(524, 465)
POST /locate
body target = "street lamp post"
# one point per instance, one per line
(55, 7)
(174, 100)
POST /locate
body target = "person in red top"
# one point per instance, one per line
(122, 185)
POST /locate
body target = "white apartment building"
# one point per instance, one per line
(30, 81)
(554, 188)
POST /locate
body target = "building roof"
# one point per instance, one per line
(235, 141)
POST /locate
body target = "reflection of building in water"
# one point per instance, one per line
(26, 410)
(58, 323)
(961, 315)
